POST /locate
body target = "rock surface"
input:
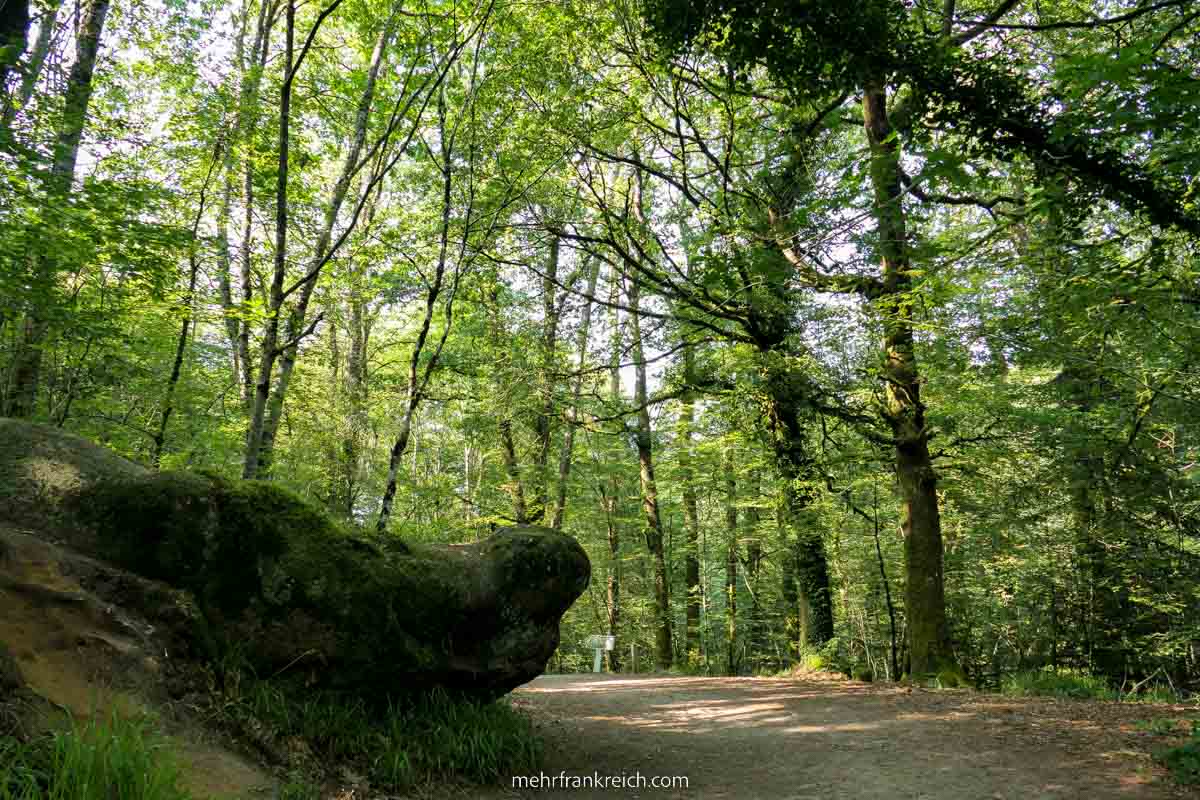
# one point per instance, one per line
(287, 588)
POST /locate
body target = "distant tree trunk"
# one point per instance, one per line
(508, 452)
(887, 591)
(755, 639)
(225, 276)
(664, 655)
(187, 307)
(925, 601)
(27, 367)
(731, 567)
(568, 446)
(691, 519)
(543, 428)
(353, 387)
(609, 496)
(240, 146)
(418, 382)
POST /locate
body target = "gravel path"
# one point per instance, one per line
(821, 737)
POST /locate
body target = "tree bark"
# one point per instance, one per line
(512, 469)
(251, 70)
(925, 604)
(812, 609)
(333, 206)
(664, 655)
(187, 307)
(417, 384)
(731, 567)
(691, 519)
(543, 430)
(35, 63)
(262, 386)
(14, 29)
(754, 557)
(610, 496)
(568, 446)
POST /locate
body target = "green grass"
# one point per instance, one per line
(1063, 683)
(430, 737)
(96, 760)
(1077, 684)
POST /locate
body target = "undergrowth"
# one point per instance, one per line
(430, 737)
(94, 760)
(1184, 761)
(1077, 684)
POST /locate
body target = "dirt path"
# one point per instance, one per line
(820, 737)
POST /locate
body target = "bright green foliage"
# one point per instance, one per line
(1049, 188)
(1058, 683)
(93, 760)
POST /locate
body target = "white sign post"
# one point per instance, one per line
(600, 644)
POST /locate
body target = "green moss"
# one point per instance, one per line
(268, 567)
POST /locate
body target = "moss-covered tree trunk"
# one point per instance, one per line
(811, 612)
(925, 603)
(643, 436)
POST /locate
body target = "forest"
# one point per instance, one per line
(862, 336)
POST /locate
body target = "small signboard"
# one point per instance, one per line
(599, 644)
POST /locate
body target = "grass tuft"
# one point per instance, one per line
(435, 736)
(1063, 683)
(94, 760)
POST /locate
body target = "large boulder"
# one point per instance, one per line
(292, 590)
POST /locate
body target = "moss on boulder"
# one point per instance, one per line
(295, 591)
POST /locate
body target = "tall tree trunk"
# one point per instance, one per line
(610, 496)
(691, 519)
(14, 29)
(333, 206)
(543, 428)
(187, 306)
(26, 371)
(418, 383)
(812, 610)
(731, 567)
(353, 387)
(508, 452)
(35, 63)
(756, 641)
(925, 604)
(664, 655)
(568, 446)
(270, 342)
(240, 146)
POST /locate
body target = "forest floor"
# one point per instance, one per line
(819, 736)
